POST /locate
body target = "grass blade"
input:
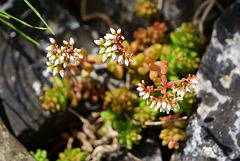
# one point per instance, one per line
(20, 32)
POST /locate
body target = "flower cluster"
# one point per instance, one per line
(62, 57)
(111, 47)
(169, 100)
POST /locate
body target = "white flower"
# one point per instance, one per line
(168, 107)
(113, 31)
(61, 58)
(120, 59)
(152, 104)
(142, 93)
(164, 104)
(126, 62)
(55, 71)
(65, 42)
(98, 42)
(107, 43)
(158, 105)
(49, 54)
(65, 65)
(56, 62)
(108, 49)
(104, 58)
(62, 73)
(146, 95)
(114, 48)
(119, 31)
(114, 56)
(71, 41)
(49, 47)
(140, 89)
(52, 40)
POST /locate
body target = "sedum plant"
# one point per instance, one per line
(56, 98)
(40, 155)
(75, 154)
(146, 9)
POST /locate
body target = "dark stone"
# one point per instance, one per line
(11, 148)
(214, 132)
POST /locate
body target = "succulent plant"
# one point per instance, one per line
(143, 113)
(40, 155)
(187, 37)
(146, 9)
(181, 61)
(129, 134)
(120, 100)
(172, 136)
(149, 36)
(56, 98)
(72, 155)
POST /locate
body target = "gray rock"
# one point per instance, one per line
(214, 132)
(11, 148)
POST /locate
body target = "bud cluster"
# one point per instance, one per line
(120, 100)
(150, 35)
(62, 57)
(111, 47)
(146, 9)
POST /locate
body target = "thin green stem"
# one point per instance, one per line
(6, 15)
(20, 32)
(38, 14)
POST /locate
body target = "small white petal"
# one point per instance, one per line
(143, 81)
(114, 48)
(161, 109)
(52, 40)
(126, 62)
(98, 42)
(55, 71)
(107, 43)
(113, 31)
(109, 54)
(65, 42)
(152, 104)
(62, 48)
(53, 57)
(59, 51)
(142, 93)
(56, 62)
(65, 65)
(48, 63)
(80, 56)
(140, 89)
(71, 41)
(62, 73)
(110, 36)
(158, 105)
(146, 96)
(104, 58)
(120, 59)
(49, 47)
(119, 31)
(164, 104)
(114, 56)
(168, 107)
(61, 58)
(108, 49)
(71, 58)
(64, 54)
(49, 54)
